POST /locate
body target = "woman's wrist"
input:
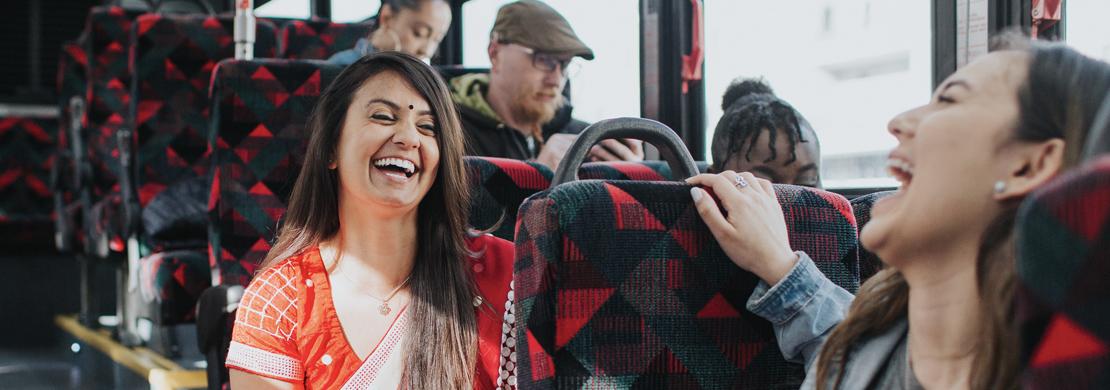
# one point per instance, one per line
(777, 268)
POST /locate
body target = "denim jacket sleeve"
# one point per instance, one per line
(803, 307)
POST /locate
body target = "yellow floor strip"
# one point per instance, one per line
(162, 373)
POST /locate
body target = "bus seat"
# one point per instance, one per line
(623, 278)
(107, 100)
(620, 284)
(26, 155)
(1062, 295)
(624, 170)
(319, 39)
(499, 187)
(260, 109)
(869, 263)
(172, 64)
(71, 87)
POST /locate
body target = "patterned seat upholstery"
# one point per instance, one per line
(869, 264)
(173, 61)
(260, 109)
(642, 170)
(499, 186)
(319, 39)
(259, 112)
(1063, 298)
(107, 97)
(619, 284)
(26, 202)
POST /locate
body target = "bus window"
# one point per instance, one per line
(289, 9)
(848, 66)
(1085, 27)
(351, 11)
(608, 86)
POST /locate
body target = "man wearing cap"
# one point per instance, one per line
(518, 110)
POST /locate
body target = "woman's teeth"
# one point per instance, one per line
(403, 165)
(901, 169)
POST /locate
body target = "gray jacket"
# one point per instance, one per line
(804, 307)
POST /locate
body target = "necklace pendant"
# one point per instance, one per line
(384, 309)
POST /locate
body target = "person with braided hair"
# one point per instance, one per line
(763, 134)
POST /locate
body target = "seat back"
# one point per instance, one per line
(620, 283)
(108, 94)
(319, 39)
(26, 156)
(259, 112)
(499, 186)
(1063, 265)
(174, 57)
(869, 263)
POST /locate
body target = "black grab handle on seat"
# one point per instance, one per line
(662, 137)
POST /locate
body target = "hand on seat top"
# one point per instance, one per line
(753, 235)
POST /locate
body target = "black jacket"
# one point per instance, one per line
(487, 136)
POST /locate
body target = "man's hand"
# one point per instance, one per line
(618, 150)
(554, 149)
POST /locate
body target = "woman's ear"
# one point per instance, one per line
(492, 50)
(1037, 163)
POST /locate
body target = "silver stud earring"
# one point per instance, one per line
(999, 187)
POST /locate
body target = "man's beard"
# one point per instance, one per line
(530, 111)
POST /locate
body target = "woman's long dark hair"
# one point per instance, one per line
(441, 347)
(1059, 98)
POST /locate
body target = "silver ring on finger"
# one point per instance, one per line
(740, 182)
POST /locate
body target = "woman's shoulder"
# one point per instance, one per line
(491, 257)
(281, 277)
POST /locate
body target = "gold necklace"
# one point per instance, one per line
(384, 308)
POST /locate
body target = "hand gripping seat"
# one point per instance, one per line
(499, 186)
(618, 284)
(259, 112)
(319, 39)
(173, 60)
(869, 264)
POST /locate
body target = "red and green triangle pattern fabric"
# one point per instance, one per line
(619, 283)
(1063, 265)
(869, 263)
(26, 201)
(259, 112)
(498, 187)
(320, 39)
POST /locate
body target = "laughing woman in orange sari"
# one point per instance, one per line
(374, 281)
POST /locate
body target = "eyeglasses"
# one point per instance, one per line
(549, 62)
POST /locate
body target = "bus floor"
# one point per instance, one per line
(41, 344)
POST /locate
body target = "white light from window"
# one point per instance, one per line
(351, 11)
(848, 84)
(291, 9)
(1086, 29)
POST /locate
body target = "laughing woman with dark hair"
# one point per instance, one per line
(939, 316)
(374, 281)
